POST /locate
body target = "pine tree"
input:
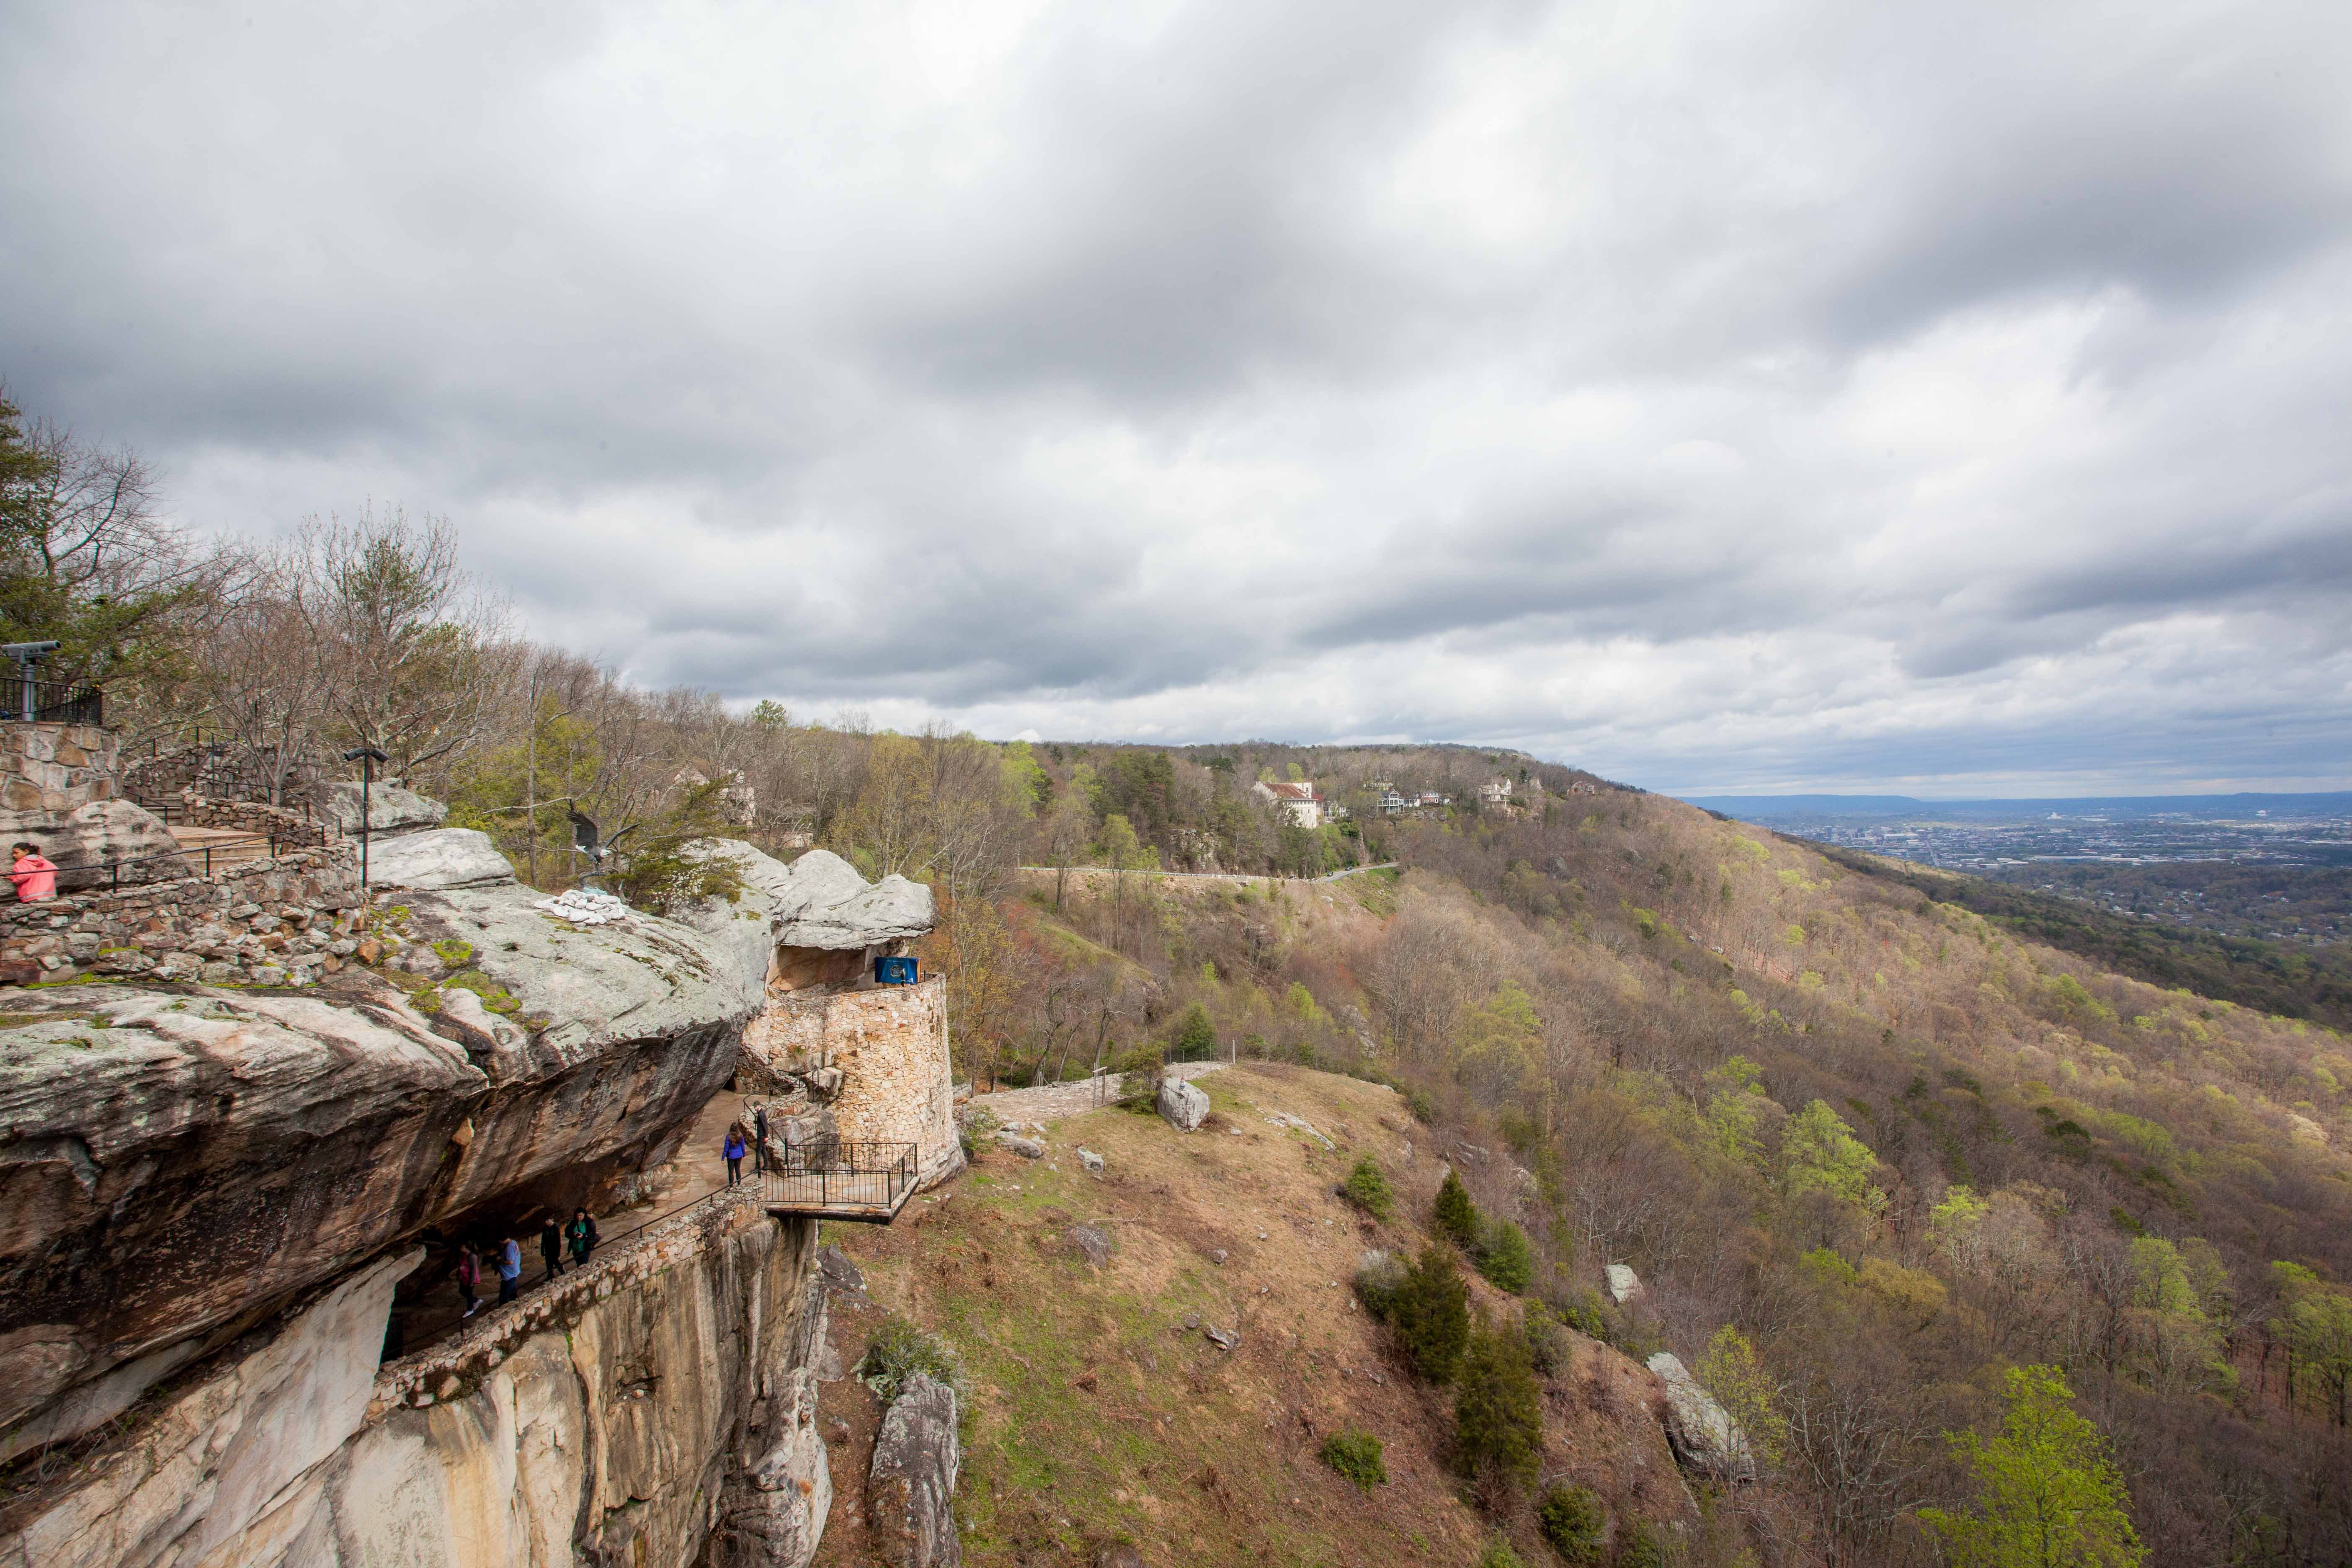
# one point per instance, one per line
(2047, 1494)
(1458, 1216)
(1431, 1313)
(1498, 1413)
(1506, 1260)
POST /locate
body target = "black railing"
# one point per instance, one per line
(196, 860)
(53, 702)
(840, 1180)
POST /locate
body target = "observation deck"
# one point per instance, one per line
(864, 1182)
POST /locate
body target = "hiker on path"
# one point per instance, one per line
(581, 1232)
(550, 1246)
(469, 1278)
(759, 1137)
(35, 877)
(509, 1270)
(734, 1153)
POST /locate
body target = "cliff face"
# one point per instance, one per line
(664, 1394)
(170, 1162)
(209, 1196)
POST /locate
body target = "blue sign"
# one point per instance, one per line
(889, 971)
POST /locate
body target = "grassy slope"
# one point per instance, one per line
(1096, 1415)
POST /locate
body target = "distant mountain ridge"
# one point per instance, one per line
(2242, 805)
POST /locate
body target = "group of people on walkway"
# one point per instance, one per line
(503, 1260)
(737, 1146)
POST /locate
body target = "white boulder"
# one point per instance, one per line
(445, 857)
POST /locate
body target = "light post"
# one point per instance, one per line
(367, 757)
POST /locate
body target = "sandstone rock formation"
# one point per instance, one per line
(88, 837)
(390, 809)
(169, 1163)
(911, 1487)
(1184, 1106)
(445, 857)
(1703, 1436)
(663, 1390)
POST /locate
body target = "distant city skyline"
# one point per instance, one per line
(1798, 398)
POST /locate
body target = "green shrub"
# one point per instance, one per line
(1506, 1260)
(668, 866)
(1498, 1410)
(1356, 1455)
(1456, 1216)
(1644, 1550)
(1368, 1189)
(1571, 1519)
(1548, 1345)
(1431, 1314)
(1378, 1280)
(1498, 1554)
(1423, 1108)
(1584, 1311)
(899, 1351)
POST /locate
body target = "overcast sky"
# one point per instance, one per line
(1728, 396)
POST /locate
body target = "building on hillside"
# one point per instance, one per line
(1431, 800)
(1391, 802)
(1495, 790)
(1305, 807)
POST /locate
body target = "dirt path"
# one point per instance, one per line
(1048, 1102)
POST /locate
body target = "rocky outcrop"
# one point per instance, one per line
(666, 1391)
(1184, 1106)
(390, 809)
(910, 1488)
(1703, 1436)
(821, 901)
(171, 1161)
(88, 837)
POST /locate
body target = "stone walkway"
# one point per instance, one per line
(1047, 1101)
(700, 1170)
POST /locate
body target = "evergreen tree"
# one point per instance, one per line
(1506, 1260)
(2047, 1494)
(1458, 1216)
(1431, 1313)
(1498, 1411)
(1195, 1037)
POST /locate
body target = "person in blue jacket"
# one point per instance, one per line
(509, 1270)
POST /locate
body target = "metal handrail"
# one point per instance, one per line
(84, 878)
(55, 701)
(840, 1179)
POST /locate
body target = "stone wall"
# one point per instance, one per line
(663, 1396)
(889, 1044)
(284, 824)
(275, 922)
(55, 767)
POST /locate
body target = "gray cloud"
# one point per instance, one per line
(1809, 395)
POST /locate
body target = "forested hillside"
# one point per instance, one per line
(1890, 1146)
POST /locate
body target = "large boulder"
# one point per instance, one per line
(1184, 1106)
(445, 857)
(1703, 1436)
(391, 809)
(88, 837)
(910, 1488)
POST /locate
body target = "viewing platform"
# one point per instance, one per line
(865, 1183)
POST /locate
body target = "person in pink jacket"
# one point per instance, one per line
(36, 877)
